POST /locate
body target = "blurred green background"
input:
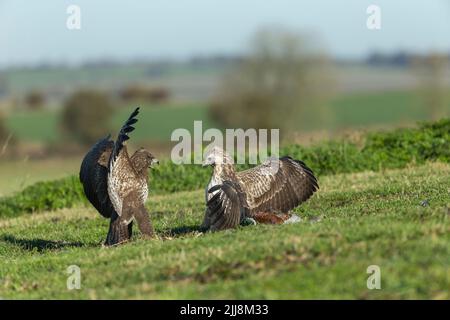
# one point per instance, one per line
(312, 69)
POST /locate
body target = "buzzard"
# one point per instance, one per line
(116, 184)
(264, 194)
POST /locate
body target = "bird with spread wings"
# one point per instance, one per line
(263, 194)
(117, 184)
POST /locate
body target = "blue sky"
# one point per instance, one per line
(35, 31)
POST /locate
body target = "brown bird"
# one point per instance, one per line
(117, 185)
(264, 194)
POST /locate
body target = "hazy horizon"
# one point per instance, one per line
(33, 33)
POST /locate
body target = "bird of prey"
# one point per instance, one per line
(263, 194)
(117, 184)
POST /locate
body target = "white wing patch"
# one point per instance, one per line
(114, 187)
(122, 180)
(213, 182)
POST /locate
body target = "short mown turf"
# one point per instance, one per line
(398, 220)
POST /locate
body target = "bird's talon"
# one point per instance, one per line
(293, 219)
(248, 222)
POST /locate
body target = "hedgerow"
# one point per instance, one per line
(41, 196)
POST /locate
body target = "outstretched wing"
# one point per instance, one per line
(277, 185)
(93, 176)
(121, 175)
(226, 208)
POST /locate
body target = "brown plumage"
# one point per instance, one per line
(265, 193)
(116, 184)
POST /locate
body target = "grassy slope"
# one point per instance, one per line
(356, 220)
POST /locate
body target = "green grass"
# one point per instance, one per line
(37, 126)
(354, 221)
(386, 108)
(157, 122)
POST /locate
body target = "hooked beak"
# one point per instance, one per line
(154, 162)
(206, 163)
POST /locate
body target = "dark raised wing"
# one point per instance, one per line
(227, 207)
(122, 175)
(123, 134)
(93, 176)
(277, 185)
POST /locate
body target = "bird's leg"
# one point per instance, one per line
(144, 223)
(127, 214)
(206, 220)
(270, 218)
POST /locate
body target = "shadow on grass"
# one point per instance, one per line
(39, 244)
(181, 231)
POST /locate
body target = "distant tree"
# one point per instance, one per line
(283, 79)
(433, 70)
(6, 138)
(3, 131)
(132, 93)
(145, 94)
(158, 95)
(35, 100)
(86, 116)
(3, 85)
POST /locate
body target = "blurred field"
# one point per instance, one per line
(16, 175)
(356, 220)
(156, 122)
(186, 82)
(351, 111)
(192, 81)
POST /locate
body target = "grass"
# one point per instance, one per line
(355, 220)
(386, 108)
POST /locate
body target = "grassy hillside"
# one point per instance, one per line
(354, 221)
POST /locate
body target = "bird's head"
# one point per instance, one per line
(145, 158)
(216, 156)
